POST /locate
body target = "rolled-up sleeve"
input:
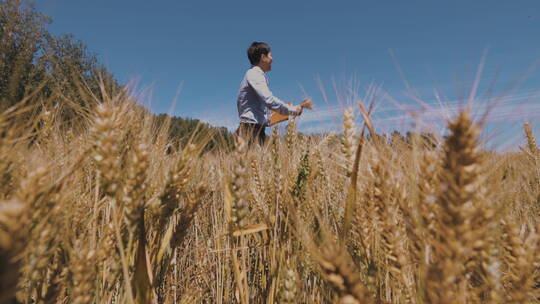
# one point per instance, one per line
(257, 81)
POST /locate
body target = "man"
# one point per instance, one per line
(255, 98)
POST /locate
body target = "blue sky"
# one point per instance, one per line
(410, 50)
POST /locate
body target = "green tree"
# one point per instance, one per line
(73, 75)
(22, 31)
(60, 72)
(182, 129)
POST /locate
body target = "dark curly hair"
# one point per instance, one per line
(256, 50)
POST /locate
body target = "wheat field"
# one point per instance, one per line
(110, 211)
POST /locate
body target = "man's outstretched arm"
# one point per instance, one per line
(257, 81)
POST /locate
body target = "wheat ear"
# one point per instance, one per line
(463, 215)
(339, 271)
(531, 140)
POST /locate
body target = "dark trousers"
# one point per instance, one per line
(252, 133)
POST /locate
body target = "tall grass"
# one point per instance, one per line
(111, 214)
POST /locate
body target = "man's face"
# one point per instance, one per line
(266, 62)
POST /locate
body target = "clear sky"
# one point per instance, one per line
(199, 48)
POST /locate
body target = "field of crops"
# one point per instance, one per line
(111, 212)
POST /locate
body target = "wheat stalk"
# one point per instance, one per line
(348, 140)
(339, 272)
(531, 140)
(83, 272)
(465, 221)
(12, 244)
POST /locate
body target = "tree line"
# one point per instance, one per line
(45, 70)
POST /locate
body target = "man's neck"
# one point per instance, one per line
(262, 68)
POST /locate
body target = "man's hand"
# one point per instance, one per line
(307, 103)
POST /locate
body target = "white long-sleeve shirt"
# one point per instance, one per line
(255, 98)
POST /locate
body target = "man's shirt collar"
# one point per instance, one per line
(258, 68)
